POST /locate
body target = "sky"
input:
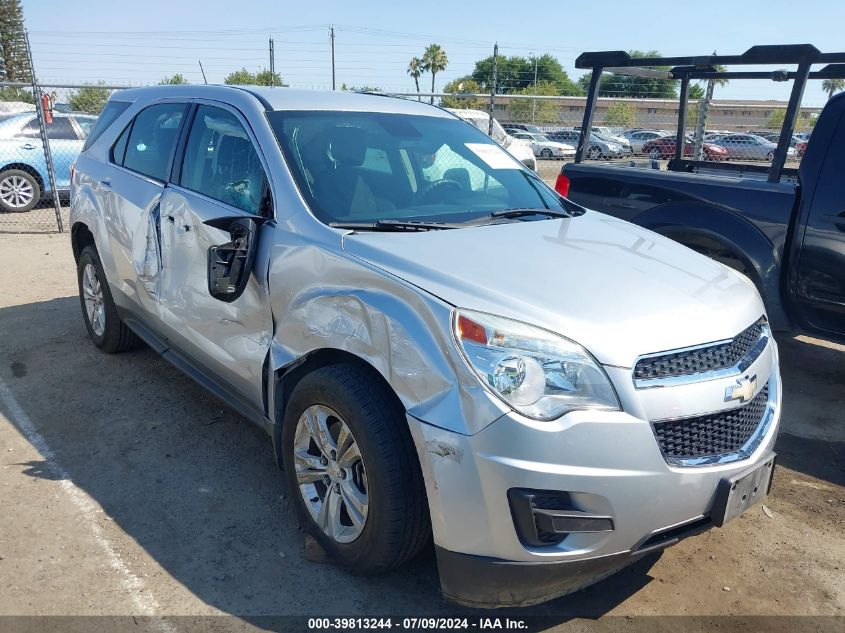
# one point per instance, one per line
(142, 42)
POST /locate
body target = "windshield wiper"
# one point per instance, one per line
(520, 212)
(394, 225)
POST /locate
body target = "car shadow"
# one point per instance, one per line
(197, 486)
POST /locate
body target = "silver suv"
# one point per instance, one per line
(438, 344)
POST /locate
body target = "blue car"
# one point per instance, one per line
(23, 170)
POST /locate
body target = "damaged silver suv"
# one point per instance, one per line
(439, 345)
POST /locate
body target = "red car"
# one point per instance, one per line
(664, 147)
(800, 148)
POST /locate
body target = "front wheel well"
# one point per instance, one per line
(287, 377)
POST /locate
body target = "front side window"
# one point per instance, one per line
(152, 139)
(221, 162)
(441, 169)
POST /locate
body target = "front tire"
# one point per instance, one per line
(104, 326)
(19, 191)
(546, 153)
(594, 153)
(654, 154)
(353, 470)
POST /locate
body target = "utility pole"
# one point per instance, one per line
(272, 64)
(331, 38)
(204, 80)
(493, 88)
(534, 101)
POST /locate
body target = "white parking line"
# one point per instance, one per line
(134, 586)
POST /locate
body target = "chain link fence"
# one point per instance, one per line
(34, 174)
(541, 130)
(639, 129)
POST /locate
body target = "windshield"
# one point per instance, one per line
(604, 138)
(367, 167)
(540, 138)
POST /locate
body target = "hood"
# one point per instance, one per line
(615, 288)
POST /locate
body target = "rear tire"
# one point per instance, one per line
(104, 326)
(770, 156)
(19, 191)
(654, 154)
(545, 153)
(380, 484)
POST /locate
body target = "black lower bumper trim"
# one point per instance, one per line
(479, 581)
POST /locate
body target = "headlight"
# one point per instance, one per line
(536, 372)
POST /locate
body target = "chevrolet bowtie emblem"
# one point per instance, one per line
(743, 390)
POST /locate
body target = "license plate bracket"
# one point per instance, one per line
(734, 495)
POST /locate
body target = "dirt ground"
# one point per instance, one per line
(127, 489)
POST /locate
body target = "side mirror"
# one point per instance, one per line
(230, 264)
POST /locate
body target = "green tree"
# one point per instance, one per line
(831, 86)
(16, 94)
(263, 77)
(621, 114)
(463, 85)
(364, 88)
(89, 98)
(13, 43)
(516, 73)
(776, 119)
(696, 92)
(434, 60)
(173, 80)
(536, 110)
(415, 70)
(634, 87)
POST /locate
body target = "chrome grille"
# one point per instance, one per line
(701, 359)
(711, 435)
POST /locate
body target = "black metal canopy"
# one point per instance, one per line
(696, 67)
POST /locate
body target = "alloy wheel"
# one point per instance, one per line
(16, 191)
(330, 473)
(92, 294)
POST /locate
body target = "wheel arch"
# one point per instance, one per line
(700, 226)
(80, 237)
(32, 171)
(287, 377)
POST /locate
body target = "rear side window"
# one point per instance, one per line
(152, 138)
(112, 110)
(221, 161)
(60, 129)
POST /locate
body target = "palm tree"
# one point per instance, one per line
(833, 85)
(415, 70)
(434, 60)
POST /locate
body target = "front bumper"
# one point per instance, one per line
(609, 464)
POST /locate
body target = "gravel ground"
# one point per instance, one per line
(127, 489)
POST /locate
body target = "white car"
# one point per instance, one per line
(518, 149)
(544, 148)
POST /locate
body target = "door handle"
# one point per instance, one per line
(27, 146)
(106, 184)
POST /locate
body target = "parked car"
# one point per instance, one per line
(329, 264)
(782, 227)
(637, 138)
(544, 148)
(598, 147)
(519, 149)
(664, 147)
(521, 127)
(23, 169)
(606, 133)
(749, 147)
